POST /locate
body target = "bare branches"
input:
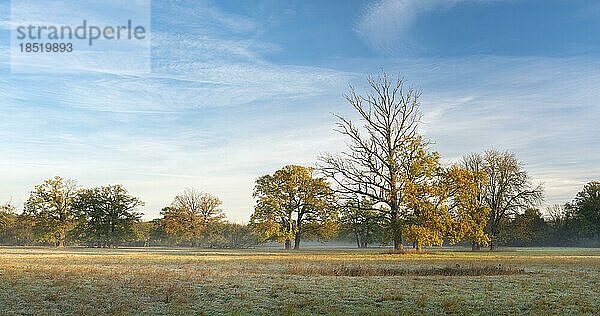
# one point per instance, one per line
(389, 116)
(508, 189)
(383, 146)
(196, 203)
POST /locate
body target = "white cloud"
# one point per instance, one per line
(385, 24)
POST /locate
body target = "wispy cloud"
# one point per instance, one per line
(385, 25)
(213, 114)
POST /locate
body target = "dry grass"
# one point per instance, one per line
(406, 251)
(362, 271)
(40, 281)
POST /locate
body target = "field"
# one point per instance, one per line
(79, 281)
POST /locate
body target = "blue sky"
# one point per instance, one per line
(239, 89)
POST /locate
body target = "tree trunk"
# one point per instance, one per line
(398, 243)
(475, 246)
(397, 232)
(494, 231)
(288, 244)
(61, 238)
(493, 244)
(493, 241)
(298, 236)
(357, 240)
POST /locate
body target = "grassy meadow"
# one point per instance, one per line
(80, 281)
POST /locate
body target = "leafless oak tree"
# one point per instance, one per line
(382, 148)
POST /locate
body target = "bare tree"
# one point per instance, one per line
(204, 205)
(190, 213)
(508, 189)
(383, 152)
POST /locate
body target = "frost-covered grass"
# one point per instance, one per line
(43, 281)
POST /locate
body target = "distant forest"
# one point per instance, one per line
(574, 224)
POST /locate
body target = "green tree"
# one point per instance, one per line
(229, 235)
(558, 222)
(143, 232)
(190, 213)
(158, 234)
(584, 211)
(51, 206)
(526, 229)
(8, 223)
(109, 214)
(291, 202)
(507, 189)
(24, 230)
(363, 221)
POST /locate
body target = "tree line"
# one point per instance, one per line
(387, 187)
(58, 212)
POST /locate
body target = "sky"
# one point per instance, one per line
(238, 89)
